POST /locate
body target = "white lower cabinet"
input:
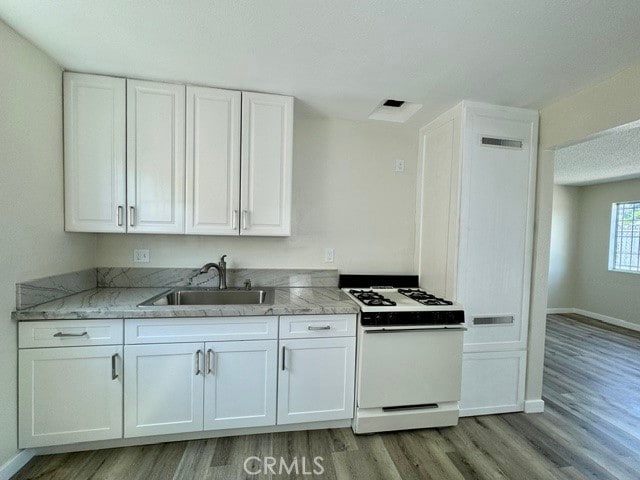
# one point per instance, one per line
(206, 375)
(69, 395)
(240, 384)
(190, 387)
(492, 382)
(163, 389)
(316, 381)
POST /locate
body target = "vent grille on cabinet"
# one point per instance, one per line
(502, 142)
(493, 320)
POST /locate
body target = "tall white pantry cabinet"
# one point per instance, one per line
(475, 216)
(151, 157)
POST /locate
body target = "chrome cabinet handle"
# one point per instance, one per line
(325, 327)
(120, 215)
(62, 335)
(114, 372)
(210, 359)
(244, 219)
(234, 220)
(132, 212)
(198, 371)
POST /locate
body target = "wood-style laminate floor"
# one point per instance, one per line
(590, 429)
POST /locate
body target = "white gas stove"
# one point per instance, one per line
(409, 355)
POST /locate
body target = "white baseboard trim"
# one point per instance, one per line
(607, 319)
(551, 311)
(13, 466)
(534, 406)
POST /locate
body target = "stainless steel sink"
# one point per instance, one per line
(185, 296)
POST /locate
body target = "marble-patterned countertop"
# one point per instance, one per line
(123, 303)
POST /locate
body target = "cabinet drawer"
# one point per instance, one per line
(309, 326)
(209, 329)
(69, 333)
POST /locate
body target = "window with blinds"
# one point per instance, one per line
(624, 251)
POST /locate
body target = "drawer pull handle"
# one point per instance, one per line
(114, 371)
(210, 359)
(324, 327)
(62, 335)
(198, 371)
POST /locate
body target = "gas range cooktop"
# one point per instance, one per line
(389, 299)
(400, 305)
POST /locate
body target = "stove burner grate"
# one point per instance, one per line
(372, 299)
(423, 297)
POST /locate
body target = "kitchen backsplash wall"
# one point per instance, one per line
(163, 277)
(47, 289)
(346, 196)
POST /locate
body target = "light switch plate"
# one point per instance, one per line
(141, 256)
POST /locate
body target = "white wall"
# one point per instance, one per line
(609, 104)
(597, 290)
(564, 240)
(33, 243)
(346, 196)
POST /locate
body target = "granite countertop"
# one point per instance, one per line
(123, 303)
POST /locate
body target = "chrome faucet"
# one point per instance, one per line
(221, 266)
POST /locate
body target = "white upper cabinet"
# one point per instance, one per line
(213, 161)
(266, 166)
(155, 157)
(94, 153)
(149, 157)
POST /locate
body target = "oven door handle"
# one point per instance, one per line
(401, 330)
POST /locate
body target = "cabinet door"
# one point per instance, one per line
(316, 380)
(492, 382)
(155, 157)
(213, 161)
(69, 395)
(240, 384)
(94, 153)
(163, 389)
(496, 234)
(267, 139)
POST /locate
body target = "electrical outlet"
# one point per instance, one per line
(399, 166)
(141, 256)
(328, 255)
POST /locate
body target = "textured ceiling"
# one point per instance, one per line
(342, 57)
(614, 156)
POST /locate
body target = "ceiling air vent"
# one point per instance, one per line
(393, 103)
(391, 110)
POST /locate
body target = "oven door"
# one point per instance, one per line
(409, 367)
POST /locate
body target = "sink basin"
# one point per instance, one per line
(185, 297)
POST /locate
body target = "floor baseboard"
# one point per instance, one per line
(13, 465)
(610, 320)
(551, 311)
(534, 406)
